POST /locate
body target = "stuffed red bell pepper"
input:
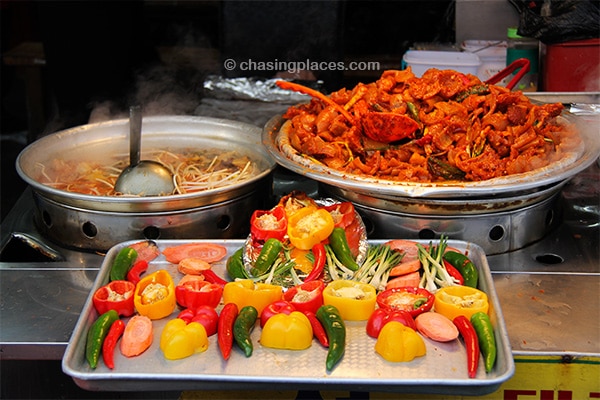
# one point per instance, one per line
(116, 295)
(266, 224)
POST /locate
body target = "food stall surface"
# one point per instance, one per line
(541, 289)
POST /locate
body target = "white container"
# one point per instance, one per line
(422, 60)
(492, 55)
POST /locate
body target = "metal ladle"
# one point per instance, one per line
(145, 177)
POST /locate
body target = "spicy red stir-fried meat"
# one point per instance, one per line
(444, 126)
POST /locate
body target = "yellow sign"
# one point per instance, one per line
(535, 378)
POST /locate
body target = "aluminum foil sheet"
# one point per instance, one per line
(244, 88)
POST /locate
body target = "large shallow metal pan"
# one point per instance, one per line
(101, 140)
(441, 370)
(580, 157)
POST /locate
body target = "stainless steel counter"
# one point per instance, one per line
(548, 290)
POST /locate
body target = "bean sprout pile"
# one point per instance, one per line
(193, 171)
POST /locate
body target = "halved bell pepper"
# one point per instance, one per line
(204, 314)
(452, 301)
(309, 226)
(399, 343)
(277, 307)
(266, 224)
(287, 331)
(155, 295)
(179, 339)
(307, 296)
(343, 213)
(355, 301)
(116, 295)
(381, 316)
(414, 300)
(246, 292)
(195, 293)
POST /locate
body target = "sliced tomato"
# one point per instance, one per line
(192, 266)
(407, 247)
(411, 279)
(405, 267)
(209, 252)
(137, 336)
(146, 250)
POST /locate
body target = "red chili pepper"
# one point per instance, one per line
(454, 273)
(277, 307)
(266, 224)
(110, 342)
(116, 295)
(210, 276)
(467, 331)
(318, 330)
(307, 296)
(225, 329)
(138, 268)
(319, 263)
(193, 294)
(205, 315)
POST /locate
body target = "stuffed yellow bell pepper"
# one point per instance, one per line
(291, 332)
(246, 292)
(154, 295)
(355, 301)
(399, 343)
(453, 301)
(309, 226)
(179, 339)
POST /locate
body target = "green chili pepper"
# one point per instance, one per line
(96, 336)
(485, 335)
(413, 111)
(335, 328)
(235, 265)
(243, 326)
(466, 268)
(122, 263)
(444, 170)
(339, 244)
(477, 90)
(266, 258)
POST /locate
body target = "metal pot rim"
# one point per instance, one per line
(155, 128)
(578, 159)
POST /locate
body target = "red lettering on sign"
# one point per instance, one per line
(514, 394)
(544, 394)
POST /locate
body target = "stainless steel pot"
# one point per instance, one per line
(96, 223)
(580, 151)
(500, 215)
(497, 225)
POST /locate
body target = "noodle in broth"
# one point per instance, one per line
(192, 172)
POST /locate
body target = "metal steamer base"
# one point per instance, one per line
(94, 230)
(498, 225)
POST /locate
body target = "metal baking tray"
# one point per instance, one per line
(442, 370)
